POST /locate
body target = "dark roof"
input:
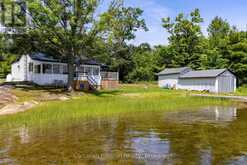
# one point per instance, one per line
(86, 61)
(43, 57)
(203, 73)
(168, 71)
(48, 58)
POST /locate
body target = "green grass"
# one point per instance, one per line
(242, 91)
(128, 99)
(1, 80)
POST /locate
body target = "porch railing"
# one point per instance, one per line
(109, 76)
(92, 79)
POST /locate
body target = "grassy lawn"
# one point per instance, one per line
(128, 99)
(241, 91)
(1, 80)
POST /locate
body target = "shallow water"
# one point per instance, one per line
(210, 135)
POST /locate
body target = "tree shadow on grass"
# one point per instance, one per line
(61, 90)
(105, 93)
(50, 90)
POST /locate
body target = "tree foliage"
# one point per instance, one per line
(185, 38)
(72, 28)
(69, 30)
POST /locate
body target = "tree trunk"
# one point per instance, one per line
(71, 71)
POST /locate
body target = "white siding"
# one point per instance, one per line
(198, 84)
(46, 78)
(49, 79)
(18, 69)
(223, 83)
(168, 81)
(20, 72)
(226, 82)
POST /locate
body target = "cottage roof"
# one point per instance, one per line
(43, 57)
(47, 58)
(203, 73)
(168, 71)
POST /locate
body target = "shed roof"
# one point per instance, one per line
(168, 71)
(203, 73)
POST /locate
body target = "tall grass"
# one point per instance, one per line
(2, 80)
(129, 99)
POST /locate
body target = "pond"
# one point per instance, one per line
(209, 135)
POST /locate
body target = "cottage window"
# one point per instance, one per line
(30, 67)
(88, 70)
(81, 69)
(47, 68)
(37, 69)
(95, 71)
(65, 69)
(56, 69)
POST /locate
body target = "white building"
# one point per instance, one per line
(168, 78)
(216, 80)
(42, 69)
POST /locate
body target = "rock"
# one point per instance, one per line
(15, 108)
(63, 98)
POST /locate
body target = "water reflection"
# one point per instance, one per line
(151, 148)
(143, 138)
(209, 114)
(24, 135)
(206, 157)
(240, 160)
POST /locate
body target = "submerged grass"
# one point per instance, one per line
(128, 99)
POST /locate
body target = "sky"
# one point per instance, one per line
(234, 11)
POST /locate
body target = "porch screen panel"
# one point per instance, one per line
(65, 69)
(37, 69)
(47, 68)
(95, 71)
(56, 69)
(88, 70)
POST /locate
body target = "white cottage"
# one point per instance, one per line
(216, 80)
(43, 69)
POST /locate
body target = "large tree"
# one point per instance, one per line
(185, 38)
(64, 26)
(218, 31)
(119, 24)
(72, 28)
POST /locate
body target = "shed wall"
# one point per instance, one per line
(226, 82)
(168, 81)
(198, 84)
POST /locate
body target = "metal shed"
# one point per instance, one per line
(215, 80)
(168, 78)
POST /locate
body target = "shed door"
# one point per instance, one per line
(226, 84)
